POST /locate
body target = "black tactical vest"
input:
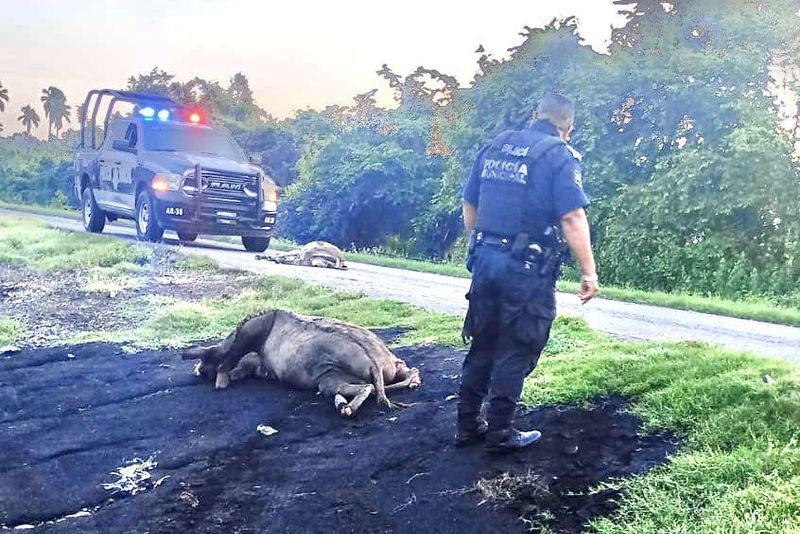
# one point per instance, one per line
(515, 187)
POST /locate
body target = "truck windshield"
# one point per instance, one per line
(192, 139)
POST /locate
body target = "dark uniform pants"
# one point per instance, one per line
(511, 310)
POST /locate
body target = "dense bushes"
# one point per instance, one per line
(33, 172)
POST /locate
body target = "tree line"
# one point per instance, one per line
(686, 124)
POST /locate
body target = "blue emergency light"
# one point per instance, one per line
(147, 112)
(163, 115)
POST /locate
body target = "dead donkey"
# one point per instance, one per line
(334, 357)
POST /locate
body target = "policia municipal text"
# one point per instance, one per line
(522, 199)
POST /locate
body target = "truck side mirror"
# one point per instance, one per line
(256, 159)
(123, 146)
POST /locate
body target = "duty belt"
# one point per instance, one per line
(493, 240)
(520, 247)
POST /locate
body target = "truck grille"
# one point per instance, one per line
(224, 187)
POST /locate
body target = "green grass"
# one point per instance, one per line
(740, 468)
(755, 309)
(41, 248)
(41, 210)
(10, 329)
(169, 322)
(197, 263)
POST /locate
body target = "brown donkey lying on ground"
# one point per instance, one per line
(334, 357)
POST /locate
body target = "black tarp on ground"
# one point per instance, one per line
(67, 422)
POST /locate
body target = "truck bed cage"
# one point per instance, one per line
(116, 96)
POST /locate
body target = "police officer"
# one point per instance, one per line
(524, 192)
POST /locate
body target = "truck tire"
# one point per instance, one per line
(187, 236)
(147, 227)
(255, 244)
(94, 218)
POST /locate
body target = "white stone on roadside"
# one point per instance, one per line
(768, 380)
(392, 419)
(24, 527)
(70, 356)
(9, 349)
(266, 430)
(451, 397)
(83, 513)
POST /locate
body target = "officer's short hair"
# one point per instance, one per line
(558, 109)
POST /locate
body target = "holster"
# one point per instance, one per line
(520, 245)
(472, 242)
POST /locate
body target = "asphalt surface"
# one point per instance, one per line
(634, 322)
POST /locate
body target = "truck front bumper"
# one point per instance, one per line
(174, 212)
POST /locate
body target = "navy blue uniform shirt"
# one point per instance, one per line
(519, 191)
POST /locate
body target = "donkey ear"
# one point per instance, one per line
(196, 353)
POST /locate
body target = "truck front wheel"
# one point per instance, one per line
(147, 227)
(255, 244)
(187, 236)
(94, 219)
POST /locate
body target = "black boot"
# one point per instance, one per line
(473, 434)
(511, 440)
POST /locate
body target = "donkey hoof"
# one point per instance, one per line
(222, 381)
(347, 411)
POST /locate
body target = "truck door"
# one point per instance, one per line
(108, 164)
(127, 162)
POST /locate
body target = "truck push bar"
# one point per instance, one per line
(116, 96)
(198, 180)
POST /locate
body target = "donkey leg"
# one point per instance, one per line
(247, 367)
(341, 386)
(409, 378)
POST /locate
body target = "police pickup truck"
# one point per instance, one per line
(164, 166)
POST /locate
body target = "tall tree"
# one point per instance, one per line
(55, 107)
(29, 119)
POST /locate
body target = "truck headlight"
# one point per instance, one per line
(269, 194)
(166, 181)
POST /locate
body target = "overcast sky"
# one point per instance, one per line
(301, 53)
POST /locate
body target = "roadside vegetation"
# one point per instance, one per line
(754, 308)
(737, 414)
(10, 329)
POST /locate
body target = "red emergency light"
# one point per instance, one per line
(194, 117)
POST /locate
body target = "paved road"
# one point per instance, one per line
(445, 294)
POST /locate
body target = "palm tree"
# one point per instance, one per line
(3, 97)
(54, 102)
(59, 116)
(29, 119)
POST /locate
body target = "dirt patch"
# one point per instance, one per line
(66, 423)
(57, 306)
